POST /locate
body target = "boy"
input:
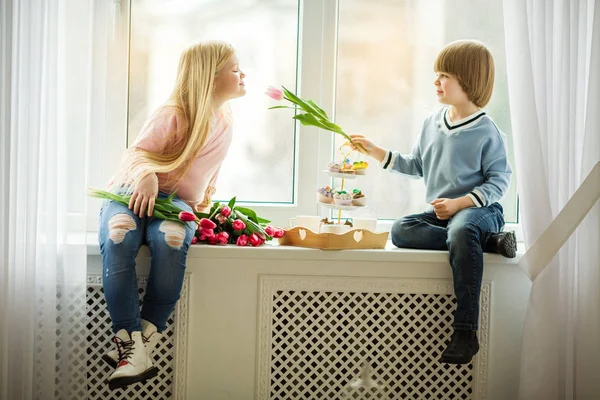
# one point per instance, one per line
(461, 155)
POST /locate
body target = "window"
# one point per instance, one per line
(367, 62)
(260, 164)
(386, 50)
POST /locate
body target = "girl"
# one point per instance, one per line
(461, 154)
(181, 148)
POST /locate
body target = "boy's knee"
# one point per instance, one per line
(119, 225)
(174, 233)
(462, 234)
(402, 224)
(398, 232)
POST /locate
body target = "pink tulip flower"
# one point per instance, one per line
(242, 240)
(226, 211)
(239, 225)
(213, 239)
(222, 237)
(187, 216)
(194, 240)
(254, 240)
(274, 93)
(207, 223)
(206, 233)
(221, 219)
(269, 230)
(278, 233)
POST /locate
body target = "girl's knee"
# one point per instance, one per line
(174, 234)
(119, 225)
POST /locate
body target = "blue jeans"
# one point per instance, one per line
(464, 235)
(121, 235)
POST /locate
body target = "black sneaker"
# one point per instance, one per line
(463, 346)
(504, 243)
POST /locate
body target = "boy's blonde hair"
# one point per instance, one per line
(472, 63)
(192, 98)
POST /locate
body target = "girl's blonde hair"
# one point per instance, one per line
(472, 63)
(192, 98)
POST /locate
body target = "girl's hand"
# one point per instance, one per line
(144, 196)
(372, 149)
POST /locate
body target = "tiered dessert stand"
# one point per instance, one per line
(353, 239)
(339, 207)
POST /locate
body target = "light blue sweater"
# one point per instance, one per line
(466, 157)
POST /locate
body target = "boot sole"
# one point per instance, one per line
(109, 361)
(125, 381)
(450, 360)
(508, 245)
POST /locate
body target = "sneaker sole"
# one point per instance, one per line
(125, 381)
(109, 361)
(508, 245)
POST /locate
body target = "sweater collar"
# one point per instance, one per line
(452, 127)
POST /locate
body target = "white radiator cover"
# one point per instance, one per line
(245, 329)
(315, 334)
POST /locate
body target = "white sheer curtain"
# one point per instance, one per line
(553, 56)
(44, 97)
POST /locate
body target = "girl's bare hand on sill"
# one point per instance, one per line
(144, 196)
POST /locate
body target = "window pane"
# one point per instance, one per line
(386, 50)
(260, 163)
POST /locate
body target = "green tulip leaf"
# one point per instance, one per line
(291, 108)
(231, 203)
(321, 111)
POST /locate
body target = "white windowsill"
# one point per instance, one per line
(274, 251)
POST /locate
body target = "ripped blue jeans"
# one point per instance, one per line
(121, 234)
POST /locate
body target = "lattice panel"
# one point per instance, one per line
(316, 336)
(60, 347)
(169, 356)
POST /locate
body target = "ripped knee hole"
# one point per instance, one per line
(119, 225)
(174, 233)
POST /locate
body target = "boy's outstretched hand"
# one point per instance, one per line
(446, 208)
(372, 149)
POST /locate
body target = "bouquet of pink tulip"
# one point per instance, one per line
(224, 224)
(234, 224)
(311, 114)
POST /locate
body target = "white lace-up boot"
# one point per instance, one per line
(134, 363)
(150, 336)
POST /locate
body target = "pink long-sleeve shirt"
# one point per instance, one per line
(196, 187)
